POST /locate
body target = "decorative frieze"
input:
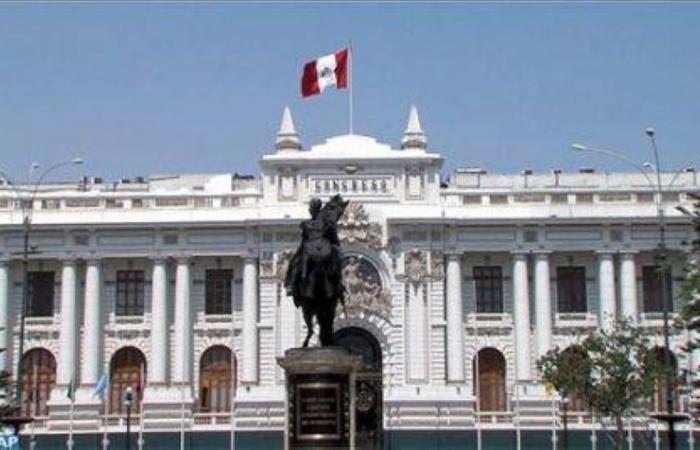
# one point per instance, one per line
(363, 289)
(437, 265)
(355, 227)
(416, 265)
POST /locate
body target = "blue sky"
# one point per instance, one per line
(163, 88)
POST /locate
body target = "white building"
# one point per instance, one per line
(169, 276)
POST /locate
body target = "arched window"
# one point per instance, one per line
(660, 394)
(38, 378)
(575, 355)
(217, 371)
(490, 383)
(360, 342)
(127, 369)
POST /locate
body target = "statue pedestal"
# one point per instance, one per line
(320, 397)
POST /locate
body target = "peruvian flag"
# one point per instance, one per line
(330, 70)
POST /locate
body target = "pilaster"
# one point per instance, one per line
(455, 319)
(606, 291)
(543, 304)
(4, 312)
(250, 321)
(521, 311)
(628, 287)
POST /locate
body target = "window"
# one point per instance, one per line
(645, 197)
(488, 283)
(560, 198)
(670, 197)
(651, 289)
(615, 197)
(218, 291)
(499, 199)
(40, 294)
(529, 198)
(584, 198)
(38, 379)
(216, 380)
(129, 292)
(471, 199)
(571, 287)
(127, 370)
(490, 383)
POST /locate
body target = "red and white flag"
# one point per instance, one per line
(329, 70)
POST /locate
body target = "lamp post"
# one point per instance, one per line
(26, 205)
(669, 417)
(128, 400)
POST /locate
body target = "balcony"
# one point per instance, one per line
(575, 320)
(489, 320)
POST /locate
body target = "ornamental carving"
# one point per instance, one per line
(363, 288)
(283, 259)
(266, 266)
(416, 266)
(355, 227)
(437, 265)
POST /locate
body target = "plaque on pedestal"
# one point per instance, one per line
(320, 386)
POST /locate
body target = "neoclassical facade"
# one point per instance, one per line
(455, 286)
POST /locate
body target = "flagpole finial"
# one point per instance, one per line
(287, 137)
(414, 137)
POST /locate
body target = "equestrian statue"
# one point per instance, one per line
(314, 277)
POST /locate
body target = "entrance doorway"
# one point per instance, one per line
(368, 386)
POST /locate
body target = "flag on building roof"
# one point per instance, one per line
(329, 70)
(101, 386)
(71, 390)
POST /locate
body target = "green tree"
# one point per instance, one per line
(616, 379)
(7, 404)
(689, 315)
(568, 372)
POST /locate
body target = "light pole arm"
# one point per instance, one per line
(616, 155)
(35, 187)
(46, 172)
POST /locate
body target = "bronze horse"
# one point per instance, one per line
(314, 278)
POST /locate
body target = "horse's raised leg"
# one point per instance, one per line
(309, 319)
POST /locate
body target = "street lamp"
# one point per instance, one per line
(25, 201)
(669, 417)
(128, 400)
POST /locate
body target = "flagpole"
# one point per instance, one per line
(234, 377)
(478, 392)
(70, 415)
(143, 388)
(105, 423)
(350, 92)
(518, 433)
(182, 405)
(34, 405)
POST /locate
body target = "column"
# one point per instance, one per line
(415, 328)
(92, 329)
(606, 291)
(455, 320)
(4, 312)
(521, 311)
(158, 365)
(68, 326)
(250, 321)
(628, 287)
(543, 304)
(287, 320)
(182, 363)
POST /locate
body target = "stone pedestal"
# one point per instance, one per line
(320, 386)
